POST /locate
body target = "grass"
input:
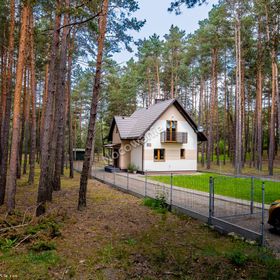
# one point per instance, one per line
(228, 168)
(28, 265)
(119, 236)
(225, 185)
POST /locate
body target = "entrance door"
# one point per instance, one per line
(116, 158)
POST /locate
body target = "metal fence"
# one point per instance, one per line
(227, 203)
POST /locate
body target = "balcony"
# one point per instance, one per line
(174, 137)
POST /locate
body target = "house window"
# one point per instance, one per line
(171, 128)
(159, 154)
(182, 153)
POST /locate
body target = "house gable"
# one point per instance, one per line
(116, 139)
(135, 126)
(173, 160)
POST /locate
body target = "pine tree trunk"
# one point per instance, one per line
(238, 117)
(271, 152)
(26, 127)
(45, 97)
(22, 121)
(33, 97)
(69, 111)
(11, 185)
(158, 80)
(3, 91)
(225, 134)
(60, 105)
(45, 189)
(5, 127)
(94, 103)
(259, 89)
(212, 107)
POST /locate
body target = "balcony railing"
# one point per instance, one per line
(174, 137)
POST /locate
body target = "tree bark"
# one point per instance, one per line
(5, 128)
(212, 107)
(45, 189)
(271, 152)
(238, 111)
(94, 103)
(26, 120)
(259, 88)
(60, 104)
(11, 186)
(33, 99)
(69, 111)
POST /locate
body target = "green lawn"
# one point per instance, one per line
(225, 185)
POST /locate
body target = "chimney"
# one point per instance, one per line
(158, 100)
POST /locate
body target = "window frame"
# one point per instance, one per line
(170, 131)
(184, 154)
(158, 155)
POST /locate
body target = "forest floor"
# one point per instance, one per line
(118, 237)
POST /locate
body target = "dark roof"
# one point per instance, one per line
(135, 126)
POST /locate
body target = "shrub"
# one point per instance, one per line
(159, 204)
(238, 258)
(132, 167)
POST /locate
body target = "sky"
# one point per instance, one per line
(159, 20)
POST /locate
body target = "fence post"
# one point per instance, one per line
(262, 225)
(146, 181)
(252, 196)
(210, 200)
(127, 183)
(171, 189)
(213, 196)
(114, 171)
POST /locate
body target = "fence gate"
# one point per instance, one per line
(237, 204)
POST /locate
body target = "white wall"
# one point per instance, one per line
(172, 150)
(136, 157)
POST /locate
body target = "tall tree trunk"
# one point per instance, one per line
(271, 152)
(33, 97)
(11, 186)
(225, 128)
(69, 111)
(27, 124)
(259, 89)
(94, 104)
(212, 107)
(272, 38)
(200, 113)
(172, 81)
(60, 105)
(149, 97)
(45, 97)
(22, 119)
(3, 90)
(5, 128)
(158, 79)
(44, 189)
(238, 116)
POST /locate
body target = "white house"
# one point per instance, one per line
(161, 138)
